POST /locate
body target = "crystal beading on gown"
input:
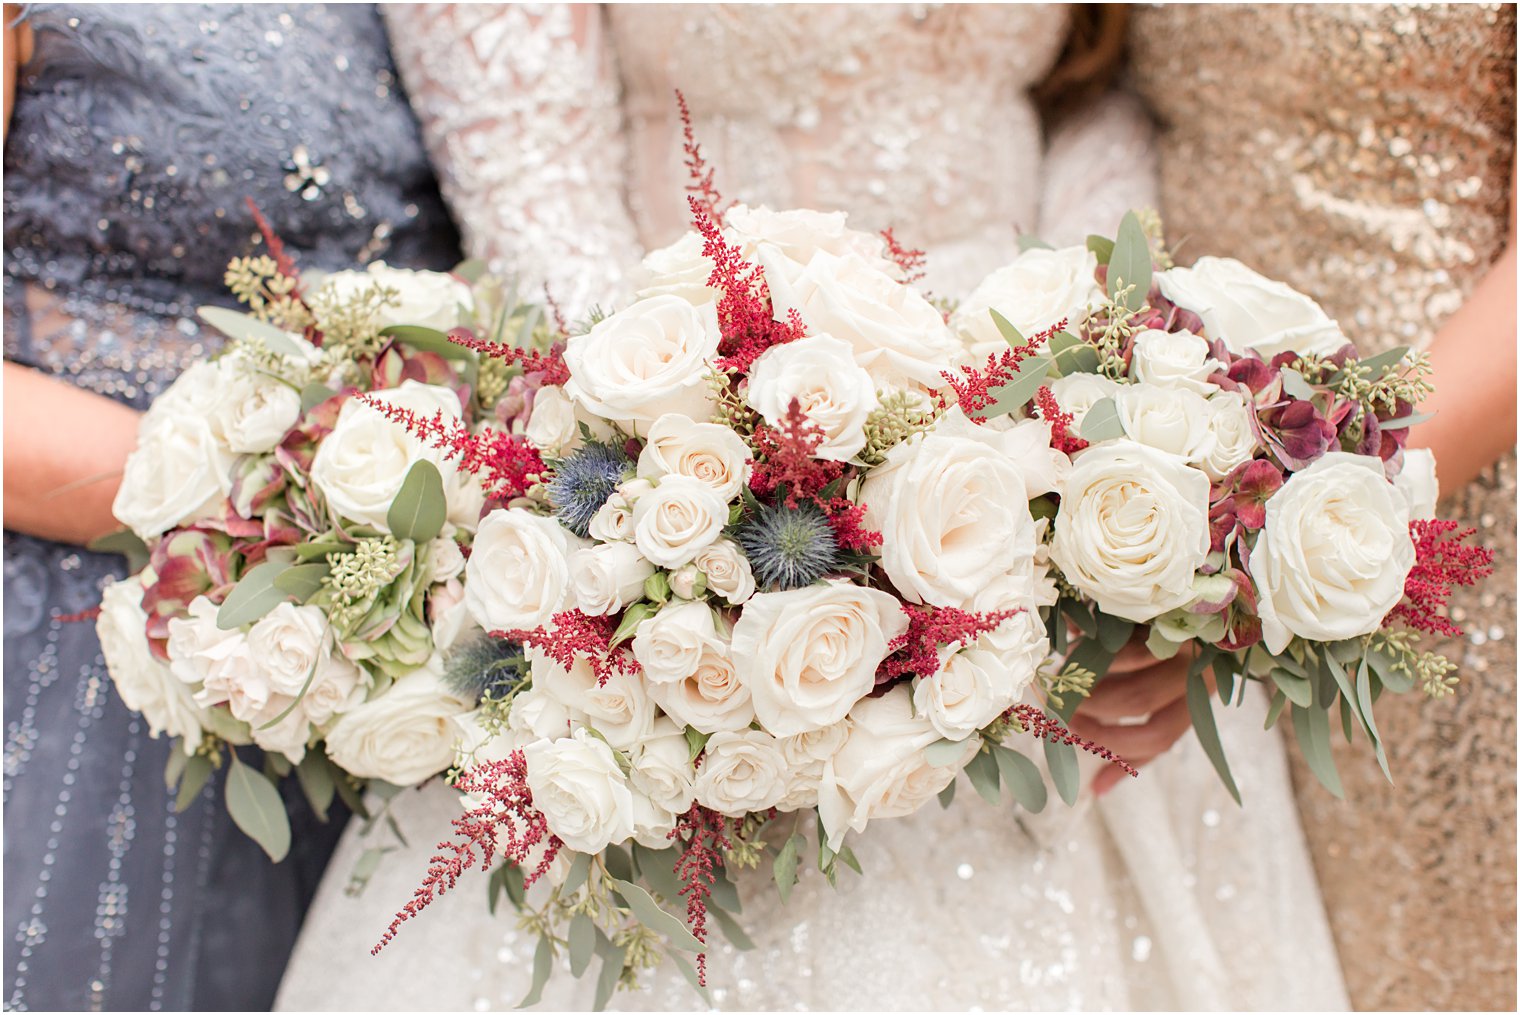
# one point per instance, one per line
(914, 117)
(1363, 154)
(137, 133)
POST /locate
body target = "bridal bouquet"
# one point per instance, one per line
(302, 557)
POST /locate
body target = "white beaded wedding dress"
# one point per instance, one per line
(555, 133)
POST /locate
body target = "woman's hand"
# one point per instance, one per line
(1137, 710)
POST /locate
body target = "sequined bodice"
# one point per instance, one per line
(138, 134)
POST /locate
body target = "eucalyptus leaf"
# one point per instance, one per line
(1224, 676)
(543, 964)
(732, 930)
(1384, 359)
(314, 773)
(313, 395)
(848, 858)
(657, 868)
(943, 752)
(1312, 727)
(174, 768)
(252, 597)
(1297, 689)
(1348, 722)
(1081, 615)
(126, 543)
(947, 795)
(351, 797)
(420, 507)
(301, 580)
(1101, 246)
(197, 772)
(1294, 384)
(1011, 335)
(1102, 421)
(724, 893)
(237, 325)
(323, 548)
(1061, 759)
(580, 866)
(1022, 777)
(1364, 698)
(1113, 632)
(784, 867)
(1413, 419)
(656, 919)
(983, 773)
(1028, 241)
(1017, 392)
(256, 808)
(1130, 262)
(582, 943)
(1072, 355)
(696, 741)
(1202, 712)
(632, 618)
(690, 972)
(426, 340)
(1274, 710)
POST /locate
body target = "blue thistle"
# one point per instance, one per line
(789, 548)
(583, 481)
(485, 667)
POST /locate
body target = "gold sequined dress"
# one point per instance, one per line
(1363, 155)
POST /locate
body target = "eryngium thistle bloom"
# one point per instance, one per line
(484, 667)
(789, 548)
(583, 481)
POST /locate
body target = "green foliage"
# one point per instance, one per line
(897, 417)
(258, 283)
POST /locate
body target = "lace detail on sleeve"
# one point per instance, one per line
(520, 110)
(1100, 164)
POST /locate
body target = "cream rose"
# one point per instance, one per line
(711, 454)
(427, 299)
(1173, 359)
(669, 645)
(613, 521)
(881, 771)
(680, 269)
(255, 413)
(953, 512)
(726, 570)
(645, 361)
(619, 707)
(1076, 393)
(144, 684)
(178, 473)
(1331, 561)
(1231, 421)
(1133, 529)
(288, 643)
(1174, 420)
(1417, 483)
(607, 577)
(806, 756)
(552, 424)
(799, 233)
(818, 372)
(581, 791)
(1249, 311)
(807, 655)
(404, 735)
(1037, 291)
(662, 768)
(360, 466)
(969, 691)
(896, 334)
(741, 772)
(538, 715)
(678, 519)
(518, 575)
(710, 697)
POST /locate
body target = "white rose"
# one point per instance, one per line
(178, 473)
(727, 570)
(711, 454)
(677, 520)
(652, 824)
(806, 756)
(1076, 393)
(337, 687)
(288, 642)
(807, 655)
(970, 690)
(607, 577)
(552, 423)
(645, 361)
(680, 270)
(518, 575)
(538, 715)
(1019, 643)
(895, 333)
(255, 413)
(1025, 443)
(1231, 421)
(1173, 359)
(144, 684)
(581, 792)
(741, 772)
(953, 512)
(613, 521)
(1331, 561)
(1417, 483)
(220, 665)
(1036, 292)
(881, 771)
(619, 708)
(799, 233)
(449, 616)
(669, 644)
(427, 299)
(361, 465)
(1174, 420)
(404, 735)
(662, 768)
(709, 697)
(194, 641)
(818, 372)
(1249, 311)
(1133, 529)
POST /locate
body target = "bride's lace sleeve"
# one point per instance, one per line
(520, 110)
(1101, 162)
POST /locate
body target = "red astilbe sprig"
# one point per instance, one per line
(746, 318)
(550, 365)
(701, 831)
(1043, 727)
(701, 188)
(508, 464)
(560, 324)
(916, 650)
(976, 387)
(506, 821)
(1061, 436)
(282, 258)
(785, 462)
(573, 635)
(910, 260)
(1443, 560)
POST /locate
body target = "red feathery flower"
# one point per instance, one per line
(1061, 436)
(571, 635)
(916, 650)
(785, 458)
(745, 315)
(1043, 727)
(1442, 561)
(702, 855)
(550, 366)
(701, 187)
(508, 464)
(506, 821)
(975, 389)
(282, 260)
(909, 259)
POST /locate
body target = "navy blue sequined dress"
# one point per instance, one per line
(137, 133)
